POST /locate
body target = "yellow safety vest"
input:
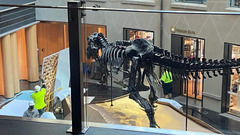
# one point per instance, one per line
(38, 98)
(167, 77)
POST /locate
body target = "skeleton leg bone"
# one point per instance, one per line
(134, 94)
(148, 108)
(151, 77)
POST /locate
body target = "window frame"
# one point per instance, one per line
(232, 8)
(188, 1)
(233, 5)
(186, 5)
(103, 1)
(140, 2)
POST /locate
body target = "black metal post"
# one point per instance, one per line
(111, 87)
(76, 66)
(202, 92)
(186, 89)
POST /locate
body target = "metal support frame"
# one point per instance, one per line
(186, 89)
(76, 68)
(111, 86)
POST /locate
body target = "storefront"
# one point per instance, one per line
(232, 105)
(191, 47)
(131, 34)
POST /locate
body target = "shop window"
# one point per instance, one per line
(234, 91)
(140, 2)
(234, 3)
(193, 1)
(194, 48)
(135, 34)
(190, 4)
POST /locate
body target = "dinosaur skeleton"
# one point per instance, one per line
(144, 55)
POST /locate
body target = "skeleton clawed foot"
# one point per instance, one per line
(142, 87)
(154, 125)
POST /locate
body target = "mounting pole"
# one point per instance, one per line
(186, 89)
(76, 66)
(111, 86)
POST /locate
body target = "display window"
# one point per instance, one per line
(189, 47)
(234, 3)
(135, 34)
(234, 91)
(194, 48)
(131, 34)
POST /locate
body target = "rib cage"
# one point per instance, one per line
(113, 55)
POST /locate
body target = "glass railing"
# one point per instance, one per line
(124, 65)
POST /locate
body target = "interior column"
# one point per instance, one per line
(7, 66)
(15, 71)
(1, 71)
(32, 57)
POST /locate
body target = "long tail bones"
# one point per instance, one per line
(144, 55)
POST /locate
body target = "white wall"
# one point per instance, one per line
(55, 15)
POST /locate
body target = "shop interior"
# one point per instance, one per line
(234, 107)
(194, 48)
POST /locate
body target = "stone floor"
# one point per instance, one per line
(191, 102)
(24, 85)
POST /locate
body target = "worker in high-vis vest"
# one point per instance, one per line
(167, 85)
(38, 97)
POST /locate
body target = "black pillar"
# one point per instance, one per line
(76, 68)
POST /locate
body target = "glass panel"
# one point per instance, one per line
(201, 47)
(126, 106)
(92, 73)
(46, 80)
(234, 84)
(135, 34)
(192, 50)
(109, 98)
(234, 3)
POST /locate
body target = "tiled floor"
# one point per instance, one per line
(24, 85)
(224, 124)
(191, 102)
(102, 92)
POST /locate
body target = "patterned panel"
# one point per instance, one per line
(49, 69)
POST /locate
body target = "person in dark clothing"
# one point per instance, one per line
(31, 112)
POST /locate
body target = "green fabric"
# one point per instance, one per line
(38, 98)
(167, 77)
